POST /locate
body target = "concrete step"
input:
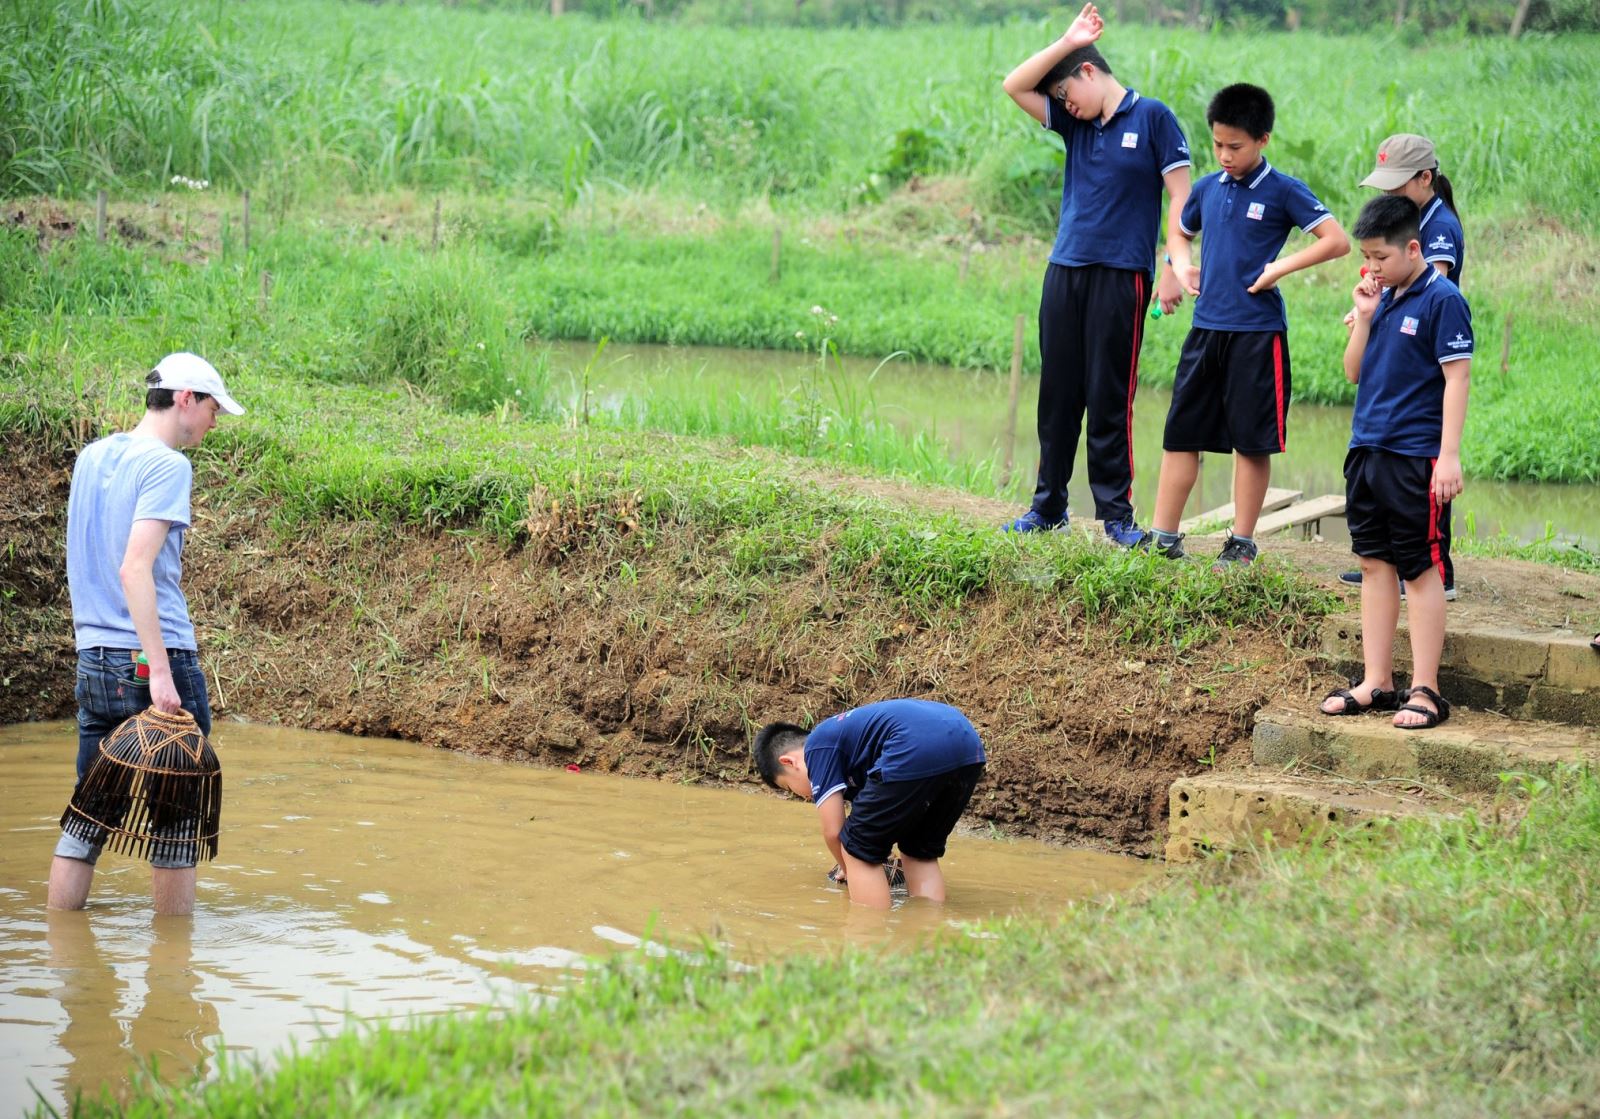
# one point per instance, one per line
(1468, 753)
(1551, 675)
(1238, 809)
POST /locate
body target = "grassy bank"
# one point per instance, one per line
(370, 561)
(311, 452)
(1448, 973)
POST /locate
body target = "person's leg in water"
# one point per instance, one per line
(924, 879)
(867, 883)
(108, 695)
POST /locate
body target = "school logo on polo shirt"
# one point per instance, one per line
(1130, 139)
(1256, 212)
(1408, 325)
(1459, 342)
(1439, 242)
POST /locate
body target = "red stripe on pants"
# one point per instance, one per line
(1434, 549)
(1277, 378)
(1133, 365)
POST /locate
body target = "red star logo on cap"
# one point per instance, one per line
(1383, 156)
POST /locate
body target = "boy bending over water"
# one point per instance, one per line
(907, 768)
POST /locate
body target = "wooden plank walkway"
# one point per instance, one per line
(1276, 499)
(1305, 514)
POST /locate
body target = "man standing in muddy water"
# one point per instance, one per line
(1122, 149)
(907, 767)
(127, 514)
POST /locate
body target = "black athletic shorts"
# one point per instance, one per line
(1392, 513)
(1231, 393)
(918, 816)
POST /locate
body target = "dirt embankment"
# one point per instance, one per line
(646, 663)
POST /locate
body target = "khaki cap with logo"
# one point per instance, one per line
(1400, 157)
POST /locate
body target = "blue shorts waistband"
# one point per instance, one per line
(103, 654)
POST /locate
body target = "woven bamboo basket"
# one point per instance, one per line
(154, 790)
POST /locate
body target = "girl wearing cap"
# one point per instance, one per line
(1408, 166)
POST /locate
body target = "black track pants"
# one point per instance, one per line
(1091, 324)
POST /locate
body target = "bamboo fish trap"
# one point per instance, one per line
(154, 790)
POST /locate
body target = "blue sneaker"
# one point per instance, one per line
(1125, 534)
(1032, 521)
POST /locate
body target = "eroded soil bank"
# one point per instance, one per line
(651, 665)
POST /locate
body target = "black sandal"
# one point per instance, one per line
(1595, 644)
(1381, 701)
(1432, 718)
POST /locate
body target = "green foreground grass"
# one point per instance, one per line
(1450, 971)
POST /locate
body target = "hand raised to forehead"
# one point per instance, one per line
(1086, 28)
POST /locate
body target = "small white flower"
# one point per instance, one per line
(480, 345)
(816, 310)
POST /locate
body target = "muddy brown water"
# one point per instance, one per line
(381, 879)
(966, 409)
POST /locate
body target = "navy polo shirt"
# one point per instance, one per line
(1400, 398)
(896, 740)
(1442, 239)
(1111, 193)
(1244, 223)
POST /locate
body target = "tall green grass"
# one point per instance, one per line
(1450, 972)
(294, 96)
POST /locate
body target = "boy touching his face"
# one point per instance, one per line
(1410, 354)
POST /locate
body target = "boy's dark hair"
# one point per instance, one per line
(1390, 217)
(1070, 65)
(159, 400)
(772, 740)
(1244, 106)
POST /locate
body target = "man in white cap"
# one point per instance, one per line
(126, 518)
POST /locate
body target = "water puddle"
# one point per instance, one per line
(381, 879)
(966, 409)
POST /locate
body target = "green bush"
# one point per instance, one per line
(444, 328)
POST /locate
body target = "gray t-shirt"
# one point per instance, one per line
(118, 480)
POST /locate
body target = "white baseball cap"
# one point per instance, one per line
(193, 372)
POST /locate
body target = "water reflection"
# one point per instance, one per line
(375, 879)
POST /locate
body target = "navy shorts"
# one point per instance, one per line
(109, 692)
(1231, 393)
(918, 816)
(1392, 513)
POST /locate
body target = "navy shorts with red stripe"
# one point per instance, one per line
(1231, 393)
(1392, 512)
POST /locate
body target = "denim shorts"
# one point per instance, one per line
(108, 693)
